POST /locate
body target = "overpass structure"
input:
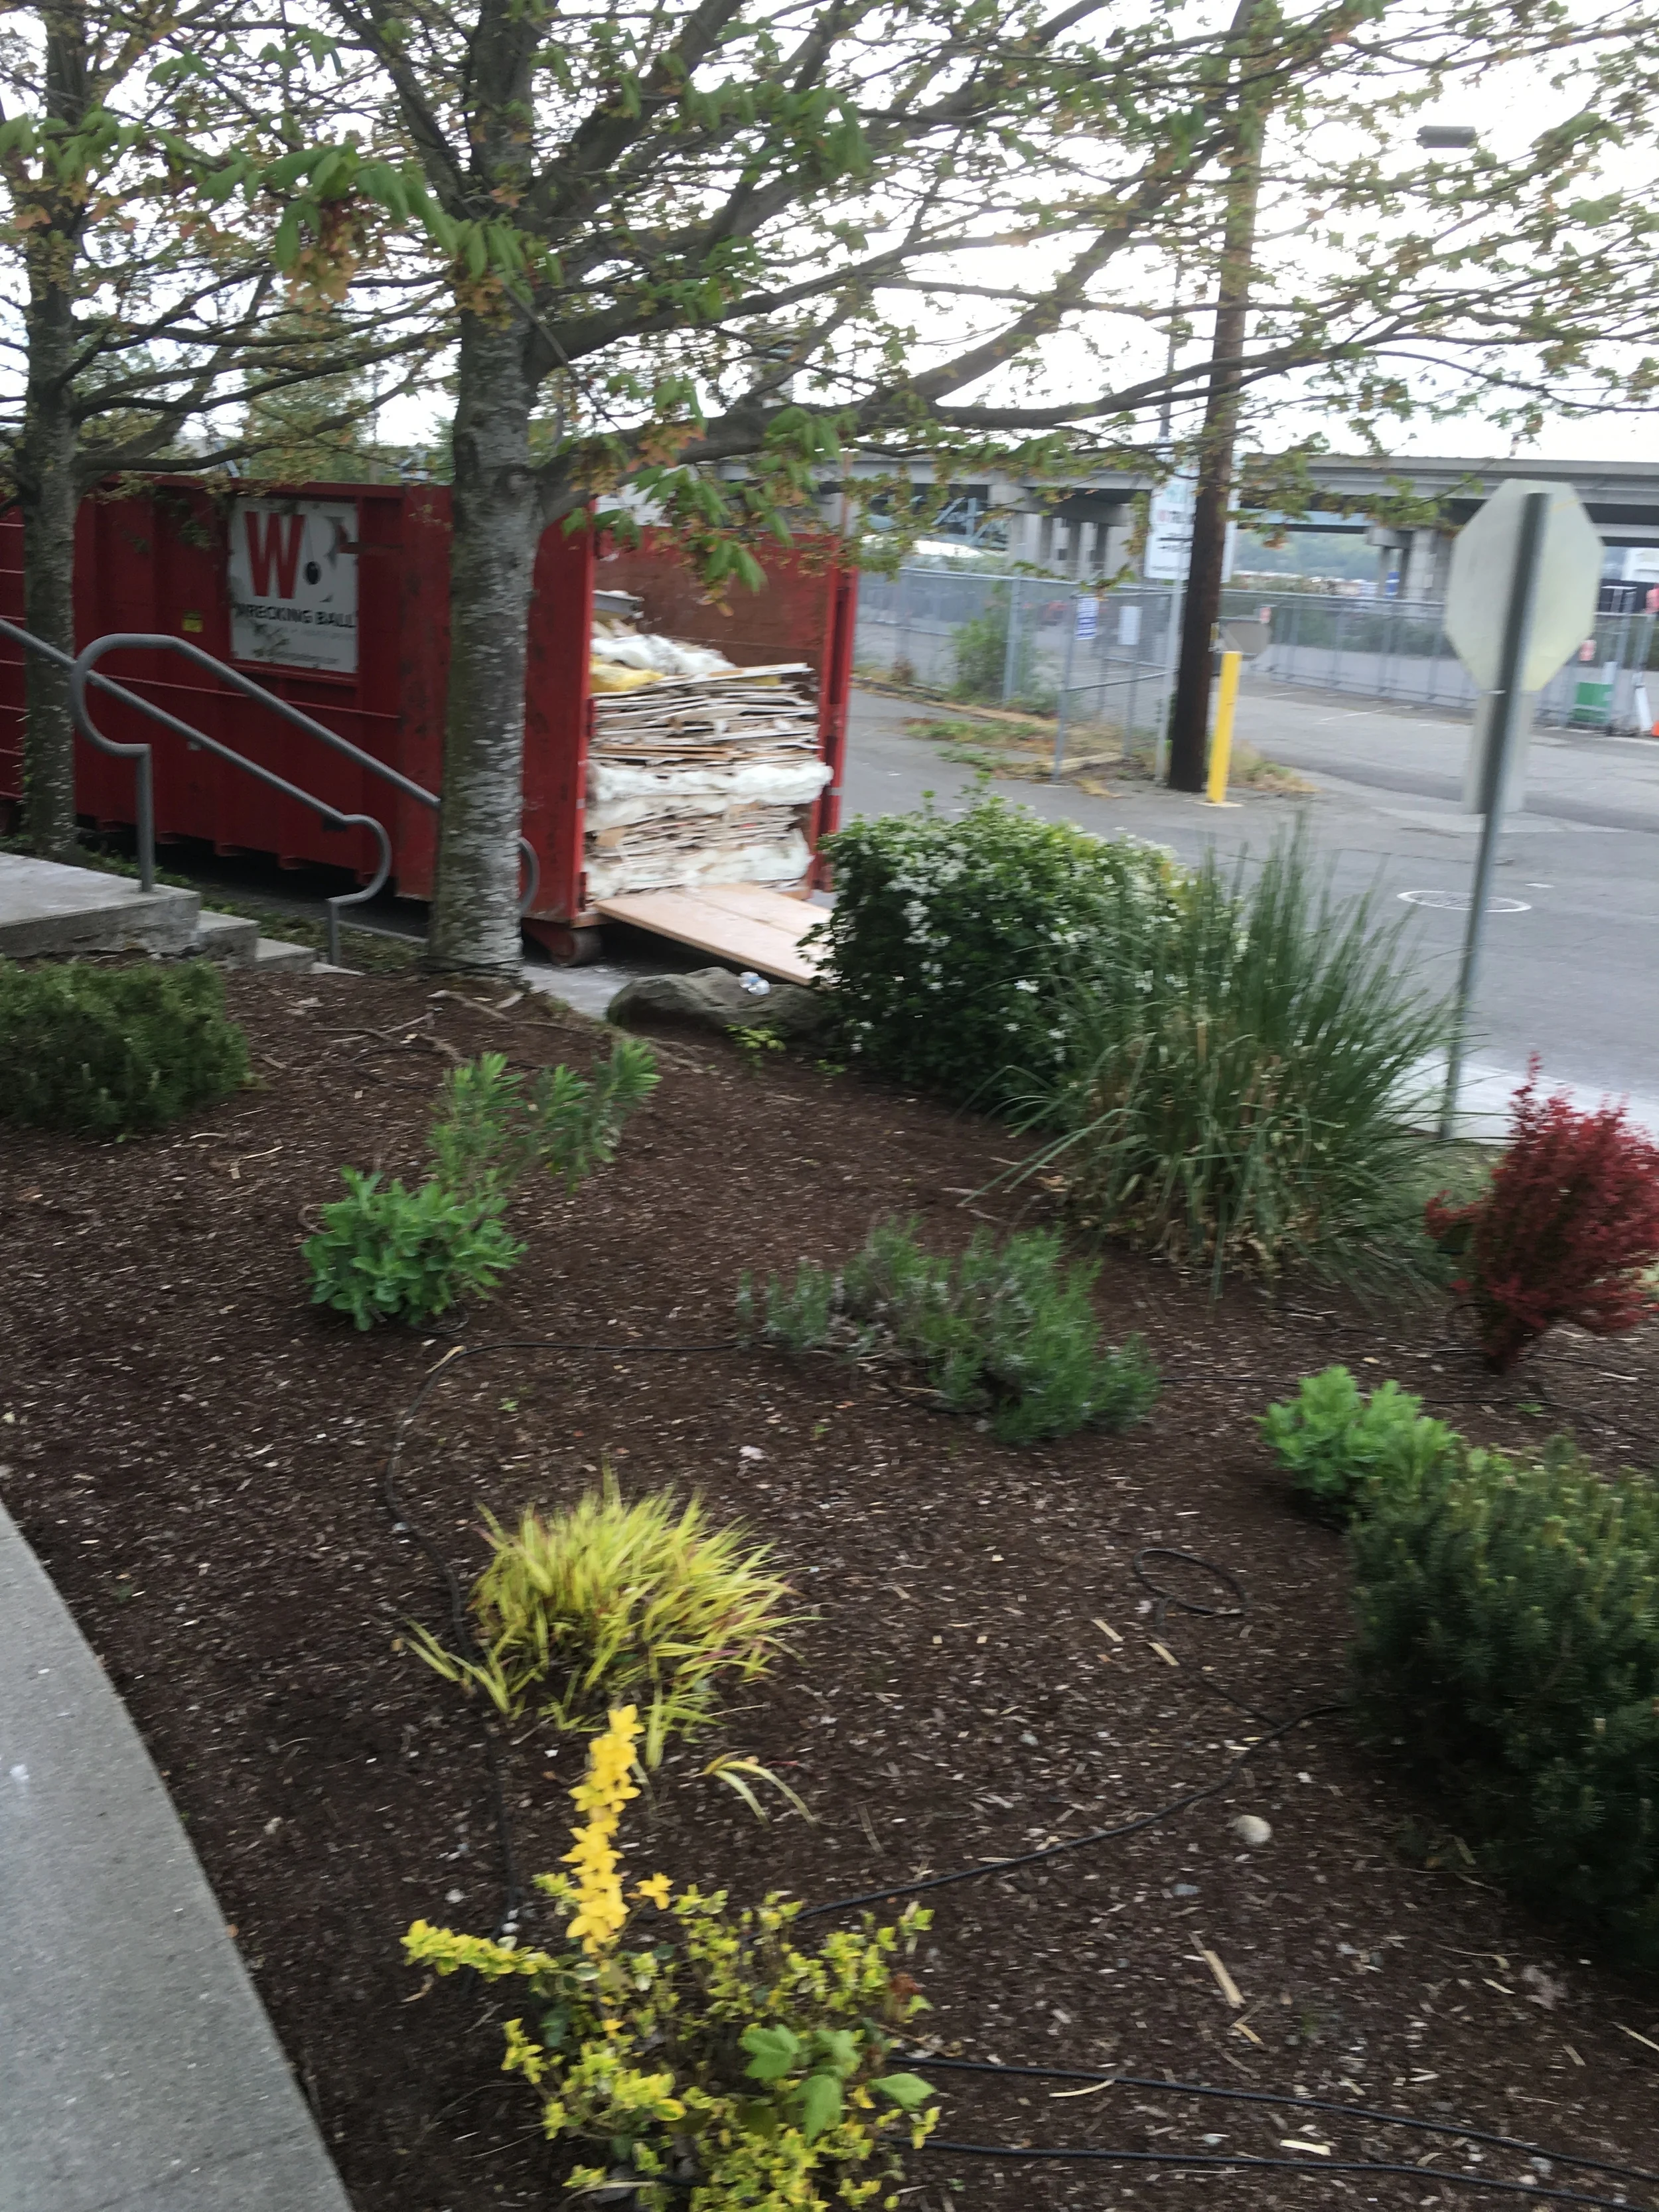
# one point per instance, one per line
(1084, 529)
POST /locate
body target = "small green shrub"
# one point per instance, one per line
(106, 1051)
(1236, 1090)
(607, 1601)
(1005, 1330)
(954, 944)
(979, 651)
(725, 2063)
(386, 1253)
(1334, 1441)
(1509, 1649)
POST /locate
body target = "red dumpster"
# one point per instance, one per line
(336, 598)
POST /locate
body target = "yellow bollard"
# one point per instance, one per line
(1221, 745)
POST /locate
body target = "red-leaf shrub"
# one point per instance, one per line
(1572, 1218)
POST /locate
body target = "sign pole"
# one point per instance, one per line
(1511, 668)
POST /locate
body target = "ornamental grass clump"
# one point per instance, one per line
(1567, 1230)
(1004, 1329)
(108, 1052)
(1509, 1653)
(711, 2062)
(952, 945)
(1334, 1442)
(1238, 1090)
(605, 1601)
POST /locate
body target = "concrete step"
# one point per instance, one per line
(272, 955)
(228, 938)
(234, 942)
(57, 912)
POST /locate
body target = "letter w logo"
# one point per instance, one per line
(280, 543)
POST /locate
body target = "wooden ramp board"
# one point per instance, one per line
(749, 923)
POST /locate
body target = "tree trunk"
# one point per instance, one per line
(48, 492)
(1189, 714)
(497, 523)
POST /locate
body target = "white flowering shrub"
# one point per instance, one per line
(955, 946)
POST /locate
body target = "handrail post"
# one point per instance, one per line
(145, 811)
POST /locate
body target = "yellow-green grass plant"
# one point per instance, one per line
(607, 1601)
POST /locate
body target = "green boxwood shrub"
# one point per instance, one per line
(1007, 1329)
(1509, 1651)
(952, 942)
(1332, 1441)
(106, 1051)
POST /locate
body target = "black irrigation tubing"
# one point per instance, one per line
(1164, 1599)
(1299, 2104)
(1217, 2161)
(993, 1866)
(403, 1520)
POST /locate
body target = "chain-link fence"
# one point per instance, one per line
(1397, 649)
(1036, 644)
(1027, 644)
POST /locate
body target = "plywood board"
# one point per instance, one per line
(749, 923)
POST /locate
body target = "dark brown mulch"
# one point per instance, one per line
(197, 1455)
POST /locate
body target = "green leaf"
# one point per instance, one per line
(773, 2052)
(820, 2104)
(840, 2046)
(907, 2091)
(285, 246)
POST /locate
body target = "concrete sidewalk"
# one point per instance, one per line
(140, 2073)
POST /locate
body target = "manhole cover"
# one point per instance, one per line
(1458, 903)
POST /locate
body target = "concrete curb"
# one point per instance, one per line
(142, 2074)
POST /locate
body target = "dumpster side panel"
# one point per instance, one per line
(160, 563)
(557, 716)
(422, 678)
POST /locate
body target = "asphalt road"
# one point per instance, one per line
(1572, 963)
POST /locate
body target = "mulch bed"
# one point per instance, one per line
(197, 1455)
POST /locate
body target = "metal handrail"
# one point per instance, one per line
(84, 672)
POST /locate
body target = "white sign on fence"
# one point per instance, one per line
(1170, 529)
(1088, 617)
(294, 583)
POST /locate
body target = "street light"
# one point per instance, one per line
(1450, 138)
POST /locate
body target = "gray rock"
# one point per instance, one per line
(1252, 1831)
(715, 999)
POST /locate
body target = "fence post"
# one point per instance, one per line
(1135, 689)
(1064, 687)
(902, 657)
(1011, 652)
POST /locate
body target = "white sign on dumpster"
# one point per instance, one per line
(294, 583)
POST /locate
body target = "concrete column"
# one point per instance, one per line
(1114, 547)
(1424, 564)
